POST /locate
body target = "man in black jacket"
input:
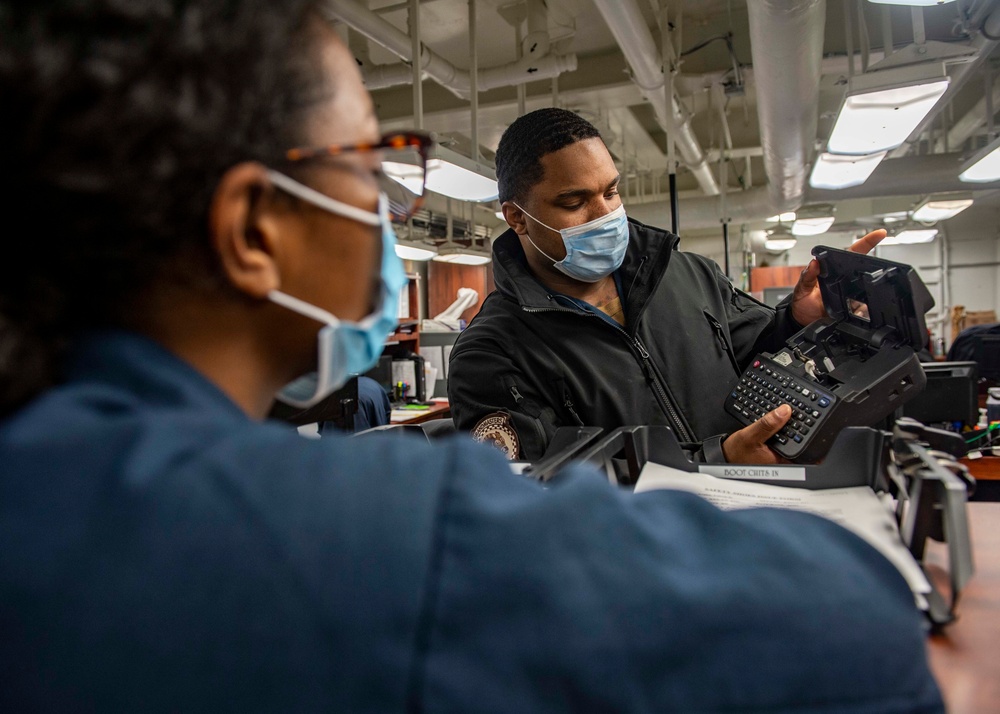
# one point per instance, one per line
(599, 320)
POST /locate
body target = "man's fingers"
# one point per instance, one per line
(747, 446)
(809, 276)
(865, 245)
(771, 423)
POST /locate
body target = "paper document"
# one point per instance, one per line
(403, 312)
(445, 358)
(433, 355)
(858, 508)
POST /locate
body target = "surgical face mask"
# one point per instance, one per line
(594, 250)
(344, 348)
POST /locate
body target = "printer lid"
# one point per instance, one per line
(893, 293)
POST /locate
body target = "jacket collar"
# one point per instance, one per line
(131, 363)
(646, 259)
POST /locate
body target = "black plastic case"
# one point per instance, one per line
(848, 369)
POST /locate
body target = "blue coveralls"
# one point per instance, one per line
(160, 551)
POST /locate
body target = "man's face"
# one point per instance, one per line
(579, 184)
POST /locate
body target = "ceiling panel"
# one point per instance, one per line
(602, 90)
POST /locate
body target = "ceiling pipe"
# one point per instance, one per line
(990, 27)
(369, 24)
(373, 27)
(527, 69)
(536, 43)
(786, 43)
(694, 83)
(628, 26)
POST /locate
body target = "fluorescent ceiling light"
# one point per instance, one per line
(918, 3)
(812, 226)
(782, 218)
(414, 250)
(941, 209)
(462, 255)
(408, 176)
(813, 220)
(833, 171)
(883, 108)
(779, 239)
(451, 174)
(499, 214)
(911, 236)
(984, 166)
(782, 243)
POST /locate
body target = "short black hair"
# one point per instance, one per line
(528, 139)
(119, 119)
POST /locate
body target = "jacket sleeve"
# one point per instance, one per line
(491, 397)
(593, 599)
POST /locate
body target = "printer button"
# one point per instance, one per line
(824, 402)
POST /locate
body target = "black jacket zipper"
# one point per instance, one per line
(662, 392)
(568, 403)
(717, 327)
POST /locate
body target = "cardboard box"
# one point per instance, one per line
(962, 318)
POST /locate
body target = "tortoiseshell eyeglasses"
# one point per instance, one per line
(403, 174)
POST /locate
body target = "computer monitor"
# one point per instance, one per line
(951, 394)
(382, 373)
(772, 296)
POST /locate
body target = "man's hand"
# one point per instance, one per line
(746, 446)
(807, 299)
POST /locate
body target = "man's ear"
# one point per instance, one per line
(515, 217)
(245, 229)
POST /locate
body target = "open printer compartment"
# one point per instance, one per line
(853, 368)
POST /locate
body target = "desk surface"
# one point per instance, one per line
(438, 410)
(965, 658)
(986, 468)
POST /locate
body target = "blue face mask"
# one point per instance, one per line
(594, 250)
(345, 348)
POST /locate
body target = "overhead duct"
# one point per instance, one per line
(367, 23)
(628, 26)
(786, 43)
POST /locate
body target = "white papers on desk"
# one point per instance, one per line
(859, 509)
(398, 416)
